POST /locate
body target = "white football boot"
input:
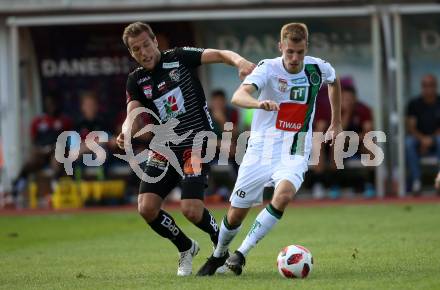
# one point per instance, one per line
(185, 259)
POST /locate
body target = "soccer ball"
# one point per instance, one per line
(295, 261)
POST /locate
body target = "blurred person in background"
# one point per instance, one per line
(320, 125)
(89, 121)
(221, 112)
(44, 133)
(423, 129)
(166, 82)
(355, 116)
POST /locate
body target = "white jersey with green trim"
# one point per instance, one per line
(296, 94)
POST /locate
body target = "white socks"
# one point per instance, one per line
(225, 238)
(264, 222)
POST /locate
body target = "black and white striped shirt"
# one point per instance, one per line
(173, 90)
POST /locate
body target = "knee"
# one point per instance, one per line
(193, 214)
(148, 212)
(283, 198)
(283, 194)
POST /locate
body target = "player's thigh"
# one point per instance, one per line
(292, 170)
(162, 186)
(194, 183)
(193, 187)
(248, 189)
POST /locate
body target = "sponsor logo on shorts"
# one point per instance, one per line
(156, 160)
(240, 193)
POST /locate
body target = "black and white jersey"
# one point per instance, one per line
(173, 90)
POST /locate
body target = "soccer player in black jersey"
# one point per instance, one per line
(167, 84)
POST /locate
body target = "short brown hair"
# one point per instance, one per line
(295, 32)
(134, 29)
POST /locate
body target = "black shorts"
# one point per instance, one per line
(193, 182)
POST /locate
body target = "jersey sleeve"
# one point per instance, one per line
(132, 90)
(190, 56)
(259, 76)
(328, 72)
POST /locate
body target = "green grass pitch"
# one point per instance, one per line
(354, 247)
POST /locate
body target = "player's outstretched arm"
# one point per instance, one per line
(334, 92)
(243, 98)
(244, 66)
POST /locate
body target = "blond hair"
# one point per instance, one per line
(295, 32)
(134, 29)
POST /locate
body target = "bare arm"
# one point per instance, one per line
(334, 92)
(132, 120)
(244, 66)
(131, 125)
(243, 98)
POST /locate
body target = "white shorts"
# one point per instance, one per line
(252, 176)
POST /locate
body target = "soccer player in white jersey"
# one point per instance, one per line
(280, 141)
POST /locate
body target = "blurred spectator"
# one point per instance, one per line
(356, 117)
(423, 129)
(90, 121)
(44, 133)
(222, 113)
(320, 125)
(437, 183)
